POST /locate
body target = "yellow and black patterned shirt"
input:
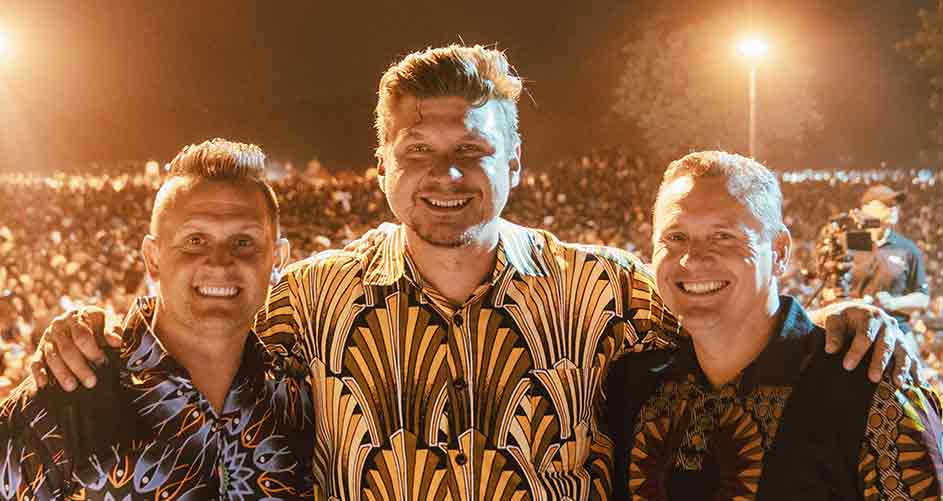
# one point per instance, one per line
(498, 398)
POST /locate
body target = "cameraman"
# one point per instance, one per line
(893, 275)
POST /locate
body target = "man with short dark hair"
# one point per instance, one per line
(193, 405)
(892, 276)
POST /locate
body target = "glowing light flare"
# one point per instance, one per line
(753, 48)
(4, 45)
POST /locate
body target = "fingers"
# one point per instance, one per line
(38, 369)
(113, 338)
(58, 369)
(865, 325)
(903, 365)
(884, 349)
(75, 347)
(83, 336)
(67, 346)
(835, 326)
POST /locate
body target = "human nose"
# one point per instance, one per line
(220, 255)
(448, 169)
(696, 253)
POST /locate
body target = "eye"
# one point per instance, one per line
(724, 235)
(195, 241)
(418, 148)
(469, 148)
(244, 245)
(674, 236)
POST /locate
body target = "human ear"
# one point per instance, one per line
(151, 252)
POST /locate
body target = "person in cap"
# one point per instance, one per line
(893, 275)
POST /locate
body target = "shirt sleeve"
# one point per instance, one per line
(650, 324)
(284, 321)
(900, 457)
(34, 459)
(917, 275)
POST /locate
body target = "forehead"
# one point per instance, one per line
(701, 201)
(414, 117)
(877, 205)
(215, 203)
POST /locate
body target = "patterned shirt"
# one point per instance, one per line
(258, 447)
(692, 438)
(498, 398)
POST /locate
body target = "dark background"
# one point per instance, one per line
(104, 81)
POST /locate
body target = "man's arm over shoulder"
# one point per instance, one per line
(901, 453)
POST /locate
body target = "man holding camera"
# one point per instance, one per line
(892, 275)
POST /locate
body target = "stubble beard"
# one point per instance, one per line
(439, 236)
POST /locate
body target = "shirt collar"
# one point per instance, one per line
(518, 249)
(779, 364)
(142, 350)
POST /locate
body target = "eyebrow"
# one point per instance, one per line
(196, 225)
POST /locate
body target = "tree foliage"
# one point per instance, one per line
(686, 88)
(925, 49)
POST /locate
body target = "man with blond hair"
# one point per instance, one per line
(749, 406)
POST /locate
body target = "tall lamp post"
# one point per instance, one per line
(753, 49)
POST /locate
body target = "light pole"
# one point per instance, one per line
(753, 49)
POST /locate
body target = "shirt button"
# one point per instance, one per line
(458, 320)
(459, 384)
(461, 459)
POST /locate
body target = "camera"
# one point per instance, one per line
(842, 234)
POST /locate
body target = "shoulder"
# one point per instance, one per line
(903, 242)
(554, 247)
(325, 260)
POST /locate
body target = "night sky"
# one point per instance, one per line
(115, 80)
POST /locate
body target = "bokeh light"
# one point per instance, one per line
(753, 48)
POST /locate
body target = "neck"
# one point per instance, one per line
(723, 357)
(454, 272)
(211, 358)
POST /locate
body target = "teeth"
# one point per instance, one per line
(448, 204)
(218, 291)
(703, 287)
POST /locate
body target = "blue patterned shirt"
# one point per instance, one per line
(151, 434)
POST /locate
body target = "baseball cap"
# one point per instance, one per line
(883, 194)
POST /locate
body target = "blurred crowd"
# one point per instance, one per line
(72, 238)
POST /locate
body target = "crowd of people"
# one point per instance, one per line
(71, 239)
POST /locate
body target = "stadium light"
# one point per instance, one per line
(753, 49)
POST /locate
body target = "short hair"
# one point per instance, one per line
(477, 74)
(748, 181)
(218, 160)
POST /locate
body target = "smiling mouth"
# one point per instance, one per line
(447, 203)
(218, 292)
(702, 288)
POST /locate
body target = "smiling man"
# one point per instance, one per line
(460, 356)
(194, 406)
(750, 406)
